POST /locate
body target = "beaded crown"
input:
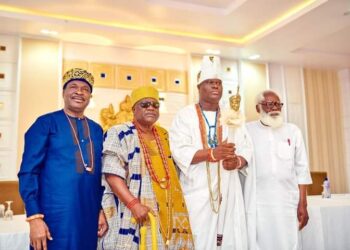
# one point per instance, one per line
(210, 69)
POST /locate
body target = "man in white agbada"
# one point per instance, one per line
(199, 146)
(275, 188)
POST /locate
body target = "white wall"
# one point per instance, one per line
(288, 82)
(344, 80)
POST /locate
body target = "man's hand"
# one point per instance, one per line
(140, 212)
(102, 224)
(303, 216)
(39, 233)
(231, 164)
(224, 151)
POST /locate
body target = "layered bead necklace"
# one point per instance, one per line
(164, 183)
(212, 139)
(213, 142)
(86, 167)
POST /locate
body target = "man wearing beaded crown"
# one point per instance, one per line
(60, 174)
(140, 178)
(209, 166)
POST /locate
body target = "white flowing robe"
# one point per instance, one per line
(185, 141)
(271, 190)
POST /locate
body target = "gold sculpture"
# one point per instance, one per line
(233, 117)
(109, 118)
(235, 101)
(125, 111)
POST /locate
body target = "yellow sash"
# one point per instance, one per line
(178, 222)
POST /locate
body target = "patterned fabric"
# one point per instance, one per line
(180, 230)
(123, 157)
(78, 74)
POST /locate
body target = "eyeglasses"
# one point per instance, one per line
(146, 105)
(270, 105)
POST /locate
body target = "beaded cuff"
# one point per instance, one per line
(35, 216)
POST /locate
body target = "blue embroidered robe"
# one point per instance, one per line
(53, 181)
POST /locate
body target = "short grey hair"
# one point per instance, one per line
(261, 96)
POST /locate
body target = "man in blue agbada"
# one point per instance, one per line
(60, 174)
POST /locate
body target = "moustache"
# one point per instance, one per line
(274, 113)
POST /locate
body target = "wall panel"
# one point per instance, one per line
(254, 81)
(39, 83)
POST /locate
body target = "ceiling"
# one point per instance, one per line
(313, 33)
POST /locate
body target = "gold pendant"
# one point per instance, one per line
(163, 183)
(89, 169)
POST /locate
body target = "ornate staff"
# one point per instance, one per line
(233, 119)
(235, 101)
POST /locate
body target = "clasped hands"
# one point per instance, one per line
(225, 152)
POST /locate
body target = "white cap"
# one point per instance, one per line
(210, 68)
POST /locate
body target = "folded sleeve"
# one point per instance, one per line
(114, 156)
(182, 144)
(300, 160)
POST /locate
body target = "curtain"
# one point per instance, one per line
(325, 126)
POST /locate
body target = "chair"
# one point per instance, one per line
(317, 180)
(9, 192)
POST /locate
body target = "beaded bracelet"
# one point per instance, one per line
(132, 203)
(212, 155)
(208, 155)
(35, 216)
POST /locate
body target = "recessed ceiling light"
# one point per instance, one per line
(162, 48)
(86, 38)
(49, 32)
(213, 52)
(254, 57)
